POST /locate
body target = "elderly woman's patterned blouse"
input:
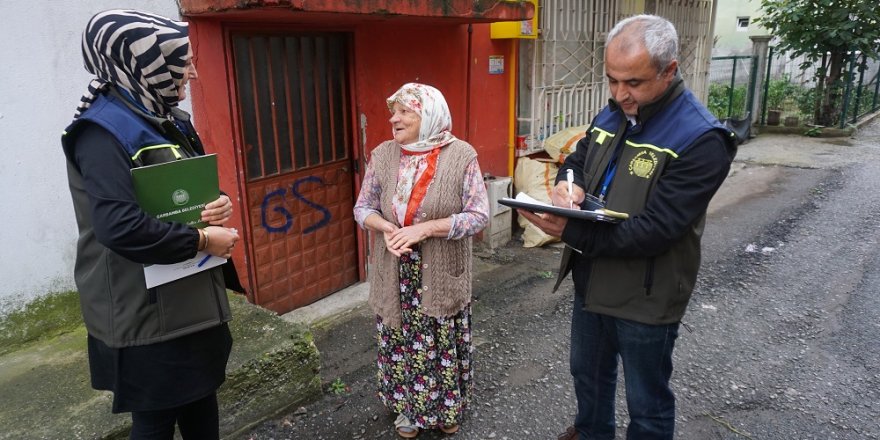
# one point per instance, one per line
(474, 199)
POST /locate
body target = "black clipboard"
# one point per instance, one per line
(563, 212)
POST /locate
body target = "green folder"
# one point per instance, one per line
(178, 190)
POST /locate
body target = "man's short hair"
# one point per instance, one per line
(656, 33)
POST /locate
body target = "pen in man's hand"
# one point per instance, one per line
(569, 176)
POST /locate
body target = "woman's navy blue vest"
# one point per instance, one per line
(117, 307)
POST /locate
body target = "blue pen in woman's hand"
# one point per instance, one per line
(208, 256)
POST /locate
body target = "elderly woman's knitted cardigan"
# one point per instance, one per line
(446, 264)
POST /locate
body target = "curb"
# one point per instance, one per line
(825, 132)
(274, 366)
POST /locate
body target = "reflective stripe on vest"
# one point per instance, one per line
(173, 148)
(602, 135)
(653, 147)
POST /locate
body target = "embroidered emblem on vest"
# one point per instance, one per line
(644, 164)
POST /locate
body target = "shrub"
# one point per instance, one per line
(720, 97)
(779, 90)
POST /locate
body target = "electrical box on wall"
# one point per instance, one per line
(498, 188)
(498, 231)
(516, 29)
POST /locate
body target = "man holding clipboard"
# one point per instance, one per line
(658, 155)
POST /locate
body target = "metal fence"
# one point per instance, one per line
(791, 97)
(859, 99)
(732, 84)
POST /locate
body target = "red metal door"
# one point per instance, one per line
(295, 129)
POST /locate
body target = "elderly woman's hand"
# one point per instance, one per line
(218, 212)
(403, 239)
(388, 230)
(390, 247)
(375, 222)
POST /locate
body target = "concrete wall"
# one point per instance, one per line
(42, 81)
(729, 40)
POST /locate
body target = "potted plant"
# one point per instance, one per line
(773, 116)
(777, 91)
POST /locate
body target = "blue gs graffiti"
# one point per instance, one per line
(288, 217)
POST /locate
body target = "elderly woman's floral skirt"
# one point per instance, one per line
(424, 366)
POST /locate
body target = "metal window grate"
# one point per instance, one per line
(693, 21)
(564, 82)
(564, 87)
(293, 101)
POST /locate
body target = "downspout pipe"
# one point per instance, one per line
(511, 138)
(469, 66)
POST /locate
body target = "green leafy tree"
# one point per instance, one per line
(824, 31)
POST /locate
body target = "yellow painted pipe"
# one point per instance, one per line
(514, 46)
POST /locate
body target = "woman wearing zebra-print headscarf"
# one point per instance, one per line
(161, 351)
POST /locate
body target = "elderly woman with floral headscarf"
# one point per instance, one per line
(162, 351)
(423, 197)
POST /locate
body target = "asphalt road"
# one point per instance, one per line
(783, 324)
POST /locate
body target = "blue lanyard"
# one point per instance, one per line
(609, 175)
(612, 167)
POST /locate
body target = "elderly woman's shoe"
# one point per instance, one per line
(405, 428)
(451, 429)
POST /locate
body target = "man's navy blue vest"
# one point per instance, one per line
(674, 128)
(650, 289)
(647, 148)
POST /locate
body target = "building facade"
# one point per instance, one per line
(292, 97)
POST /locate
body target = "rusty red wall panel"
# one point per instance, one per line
(437, 55)
(302, 252)
(489, 102)
(389, 56)
(472, 10)
(213, 114)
